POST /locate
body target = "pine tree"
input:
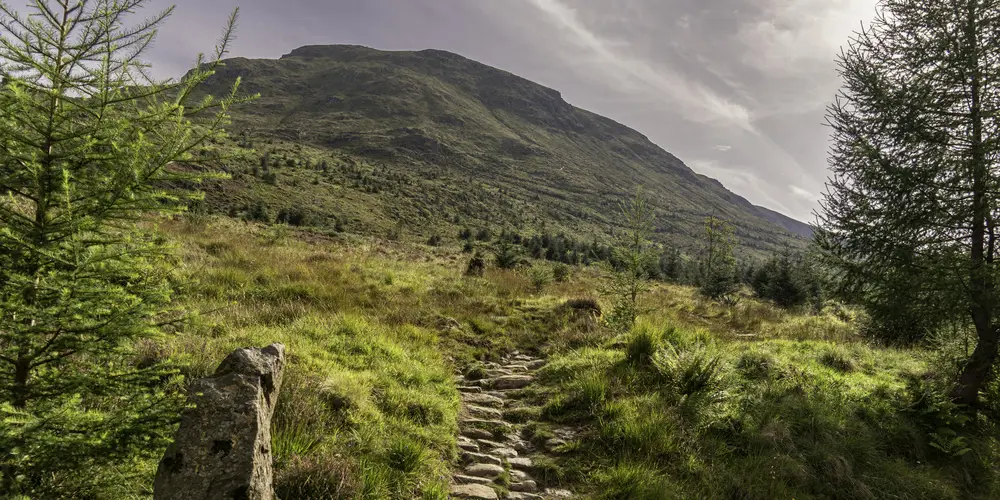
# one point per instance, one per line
(915, 185)
(625, 282)
(87, 143)
(718, 265)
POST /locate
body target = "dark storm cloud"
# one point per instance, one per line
(735, 88)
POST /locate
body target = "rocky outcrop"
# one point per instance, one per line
(222, 450)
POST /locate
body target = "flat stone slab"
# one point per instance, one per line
(467, 444)
(474, 491)
(518, 495)
(519, 475)
(484, 412)
(469, 389)
(477, 433)
(484, 470)
(489, 445)
(521, 463)
(504, 452)
(463, 479)
(498, 372)
(557, 493)
(480, 458)
(516, 368)
(482, 399)
(528, 486)
(511, 382)
(476, 423)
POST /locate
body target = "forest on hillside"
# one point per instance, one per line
(471, 359)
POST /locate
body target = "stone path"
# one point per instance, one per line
(493, 449)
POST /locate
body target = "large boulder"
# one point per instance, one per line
(222, 450)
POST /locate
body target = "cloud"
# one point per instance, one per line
(723, 147)
(739, 179)
(802, 193)
(698, 103)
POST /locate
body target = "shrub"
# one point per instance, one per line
(406, 456)
(641, 347)
(560, 273)
(434, 240)
(506, 254)
(689, 372)
(317, 476)
(476, 266)
(629, 481)
(539, 277)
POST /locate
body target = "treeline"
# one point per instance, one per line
(789, 280)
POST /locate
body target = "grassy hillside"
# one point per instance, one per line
(702, 400)
(433, 141)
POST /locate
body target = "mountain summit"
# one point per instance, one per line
(485, 146)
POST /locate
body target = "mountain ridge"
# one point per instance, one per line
(437, 113)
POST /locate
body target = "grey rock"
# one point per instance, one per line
(480, 458)
(477, 423)
(484, 470)
(518, 495)
(484, 412)
(519, 475)
(475, 491)
(468, 389)
(467, 444)
(516, 368)
(557, 493)
(536, 364)
(222, 449)
(511, 381)
(521, 463)
(524, 486)
(482, 399)
(477, 433)
(463, 479)
(488, 444)
(504, 452)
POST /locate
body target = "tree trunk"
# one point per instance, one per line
(977, 369)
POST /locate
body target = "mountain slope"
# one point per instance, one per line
(430, 141)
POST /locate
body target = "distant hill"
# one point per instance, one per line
(428, 142)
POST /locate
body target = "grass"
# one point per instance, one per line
(713, 417)
(699, 400)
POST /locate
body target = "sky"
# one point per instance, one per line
(737, 89)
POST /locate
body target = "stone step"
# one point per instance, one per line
(518, 495)
(521, 463)
(510, 382)
(477, 423)
(519, 476)
(484, 412)
(473, 491)
(484, 470)
(498, 372)
(558, 493)
(469, 457)
(463, 479)
(524, 486)
(474, 433)
(534, 365)
(482, 399)
(467, 389)
(516, 368)
(489, 445)
(504, 452)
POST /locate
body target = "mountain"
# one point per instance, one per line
(428, 142)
